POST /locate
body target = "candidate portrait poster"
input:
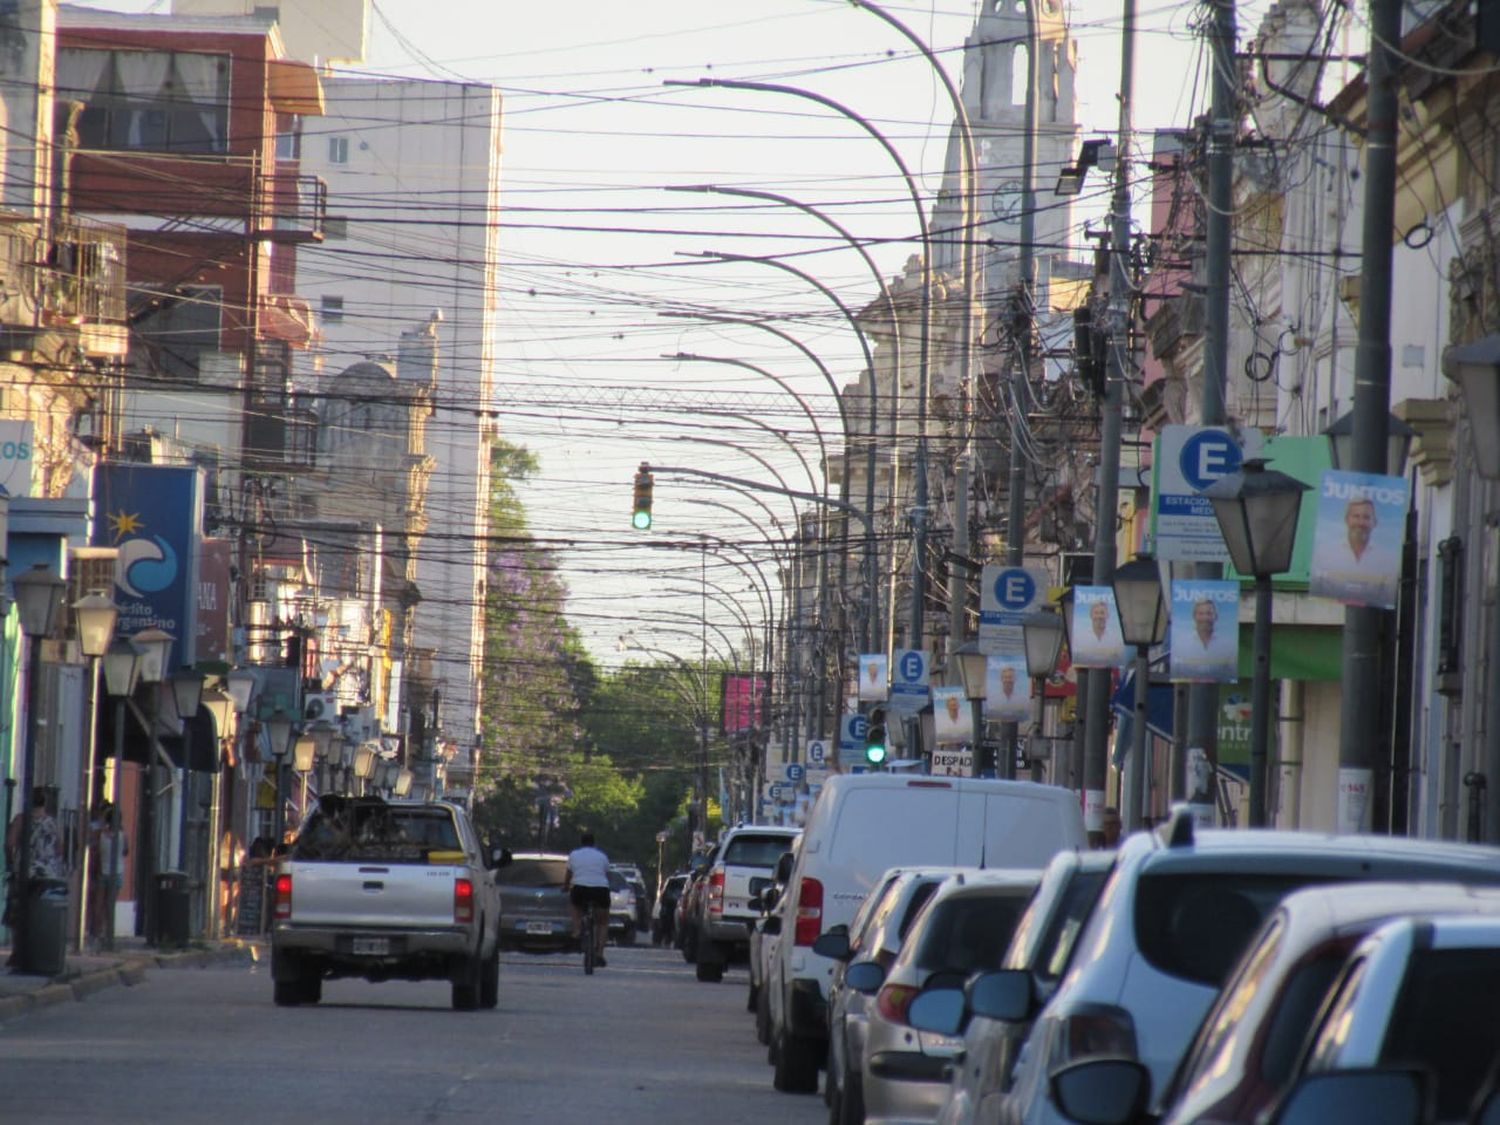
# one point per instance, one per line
(952, 720)
(1007, 691)
(1357, 545)
(1205, 631)
(1095, 638)
(874, 683)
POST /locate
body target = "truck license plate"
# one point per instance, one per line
(538, 927)
(371, 946)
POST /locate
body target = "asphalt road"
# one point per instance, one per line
(640, 1041)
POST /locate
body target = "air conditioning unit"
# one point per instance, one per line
(320, 705)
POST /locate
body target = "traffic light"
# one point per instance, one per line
(875, 748)
(641, 519)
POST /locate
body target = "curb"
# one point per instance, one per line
(129, 972)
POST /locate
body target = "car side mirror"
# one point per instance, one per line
(864, 976)
(771, 925)
(1371, 1097)
(500, 857)
(784, 867)
(834, 944)
(755, 902)
(1002, 994)
(937, 1009)
(1104, 1091)
(769, 898)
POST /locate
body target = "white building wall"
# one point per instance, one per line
(413, 172)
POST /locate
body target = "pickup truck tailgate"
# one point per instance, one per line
(377, 895)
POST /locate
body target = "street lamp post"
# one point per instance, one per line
(39, 601)
(155, 646)
(220, 706)
(187, 696)
(122, 670)
(968, 663)
(1143, 623)
(1257, 510)
(95, 615)
(279, 731)
(1042, 634)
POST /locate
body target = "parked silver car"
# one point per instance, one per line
(965, 928)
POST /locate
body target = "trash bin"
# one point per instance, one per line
(172, 908)
(46, 941)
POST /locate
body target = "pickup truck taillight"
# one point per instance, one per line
(716, 891)
(463, 900)
(283, 896)
(809, 911)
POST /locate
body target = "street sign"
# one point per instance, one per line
(852, 732)
(909, 690)
(1189, 459)
(777, 792)
(1006, 595)
(817, 752)
(795, 772)
(953, 761)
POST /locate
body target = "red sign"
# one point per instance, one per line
(744, 695)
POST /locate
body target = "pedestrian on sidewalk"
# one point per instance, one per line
(44, 860)
(107, 853)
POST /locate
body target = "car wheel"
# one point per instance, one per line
(287, 975)
(690, 947)
(851, 1101)
(796, 1066)
(710, 972)
(312, 987)
(466, 986)
(288, 993)
(751, 996)
(489, 981)
(763, 1017)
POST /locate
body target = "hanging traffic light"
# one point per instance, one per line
(641, 519)
(875, 745)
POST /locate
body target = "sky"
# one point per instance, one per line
(595, 248)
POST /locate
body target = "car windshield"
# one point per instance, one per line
(755, 851)
(968, 933)
(360, 831)
(1444, 1023)
(1195, 925)
(535, 872)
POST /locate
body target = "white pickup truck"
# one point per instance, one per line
(387, 890)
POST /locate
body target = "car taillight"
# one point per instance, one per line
(283, 896)
(463, 900)
(1098, 1030)
(893, 1000)
(809, 911)
(716, 891)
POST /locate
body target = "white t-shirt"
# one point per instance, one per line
(590, 867)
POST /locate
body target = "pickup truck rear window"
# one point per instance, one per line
(358, 832)
(756, 851)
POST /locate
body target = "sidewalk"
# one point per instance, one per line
(87, 973)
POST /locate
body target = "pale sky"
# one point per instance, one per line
(592, 140)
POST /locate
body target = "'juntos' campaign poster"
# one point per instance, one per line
(1205, 630)
(1357, 546)
(1095, 639)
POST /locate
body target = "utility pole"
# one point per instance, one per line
(1359, 729)
(1015, 534)
(1203, 699)
(1096, 750)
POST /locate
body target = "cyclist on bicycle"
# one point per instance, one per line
(587, 884)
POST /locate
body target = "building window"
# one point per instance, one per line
(173, 329)
(288, 136)
(159, 101)
(338, 150)
(333, 310)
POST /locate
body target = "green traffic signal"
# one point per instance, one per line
(875, 753)
(875, 748)
(640, 518)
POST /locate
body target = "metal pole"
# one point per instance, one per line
(1096, 730)
(1015, 535)
(85, 884)
(1203, 699)
(21, 931)
(1360, 736)
(1136, 769)
(112, 890)
(1260, 701)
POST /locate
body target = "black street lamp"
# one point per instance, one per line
(1257, 510)
(279, 731)
(122, 671)
(1398, 437)
(1042, 634)
(155, 646)
(187, 695)
(1143, 623)
(95, 616)
(39, 601)
(968, 664)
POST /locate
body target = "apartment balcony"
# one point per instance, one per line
(296, 206)
(71, 284)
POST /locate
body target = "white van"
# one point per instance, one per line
(864, 824)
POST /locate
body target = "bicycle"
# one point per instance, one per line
(589, 938)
